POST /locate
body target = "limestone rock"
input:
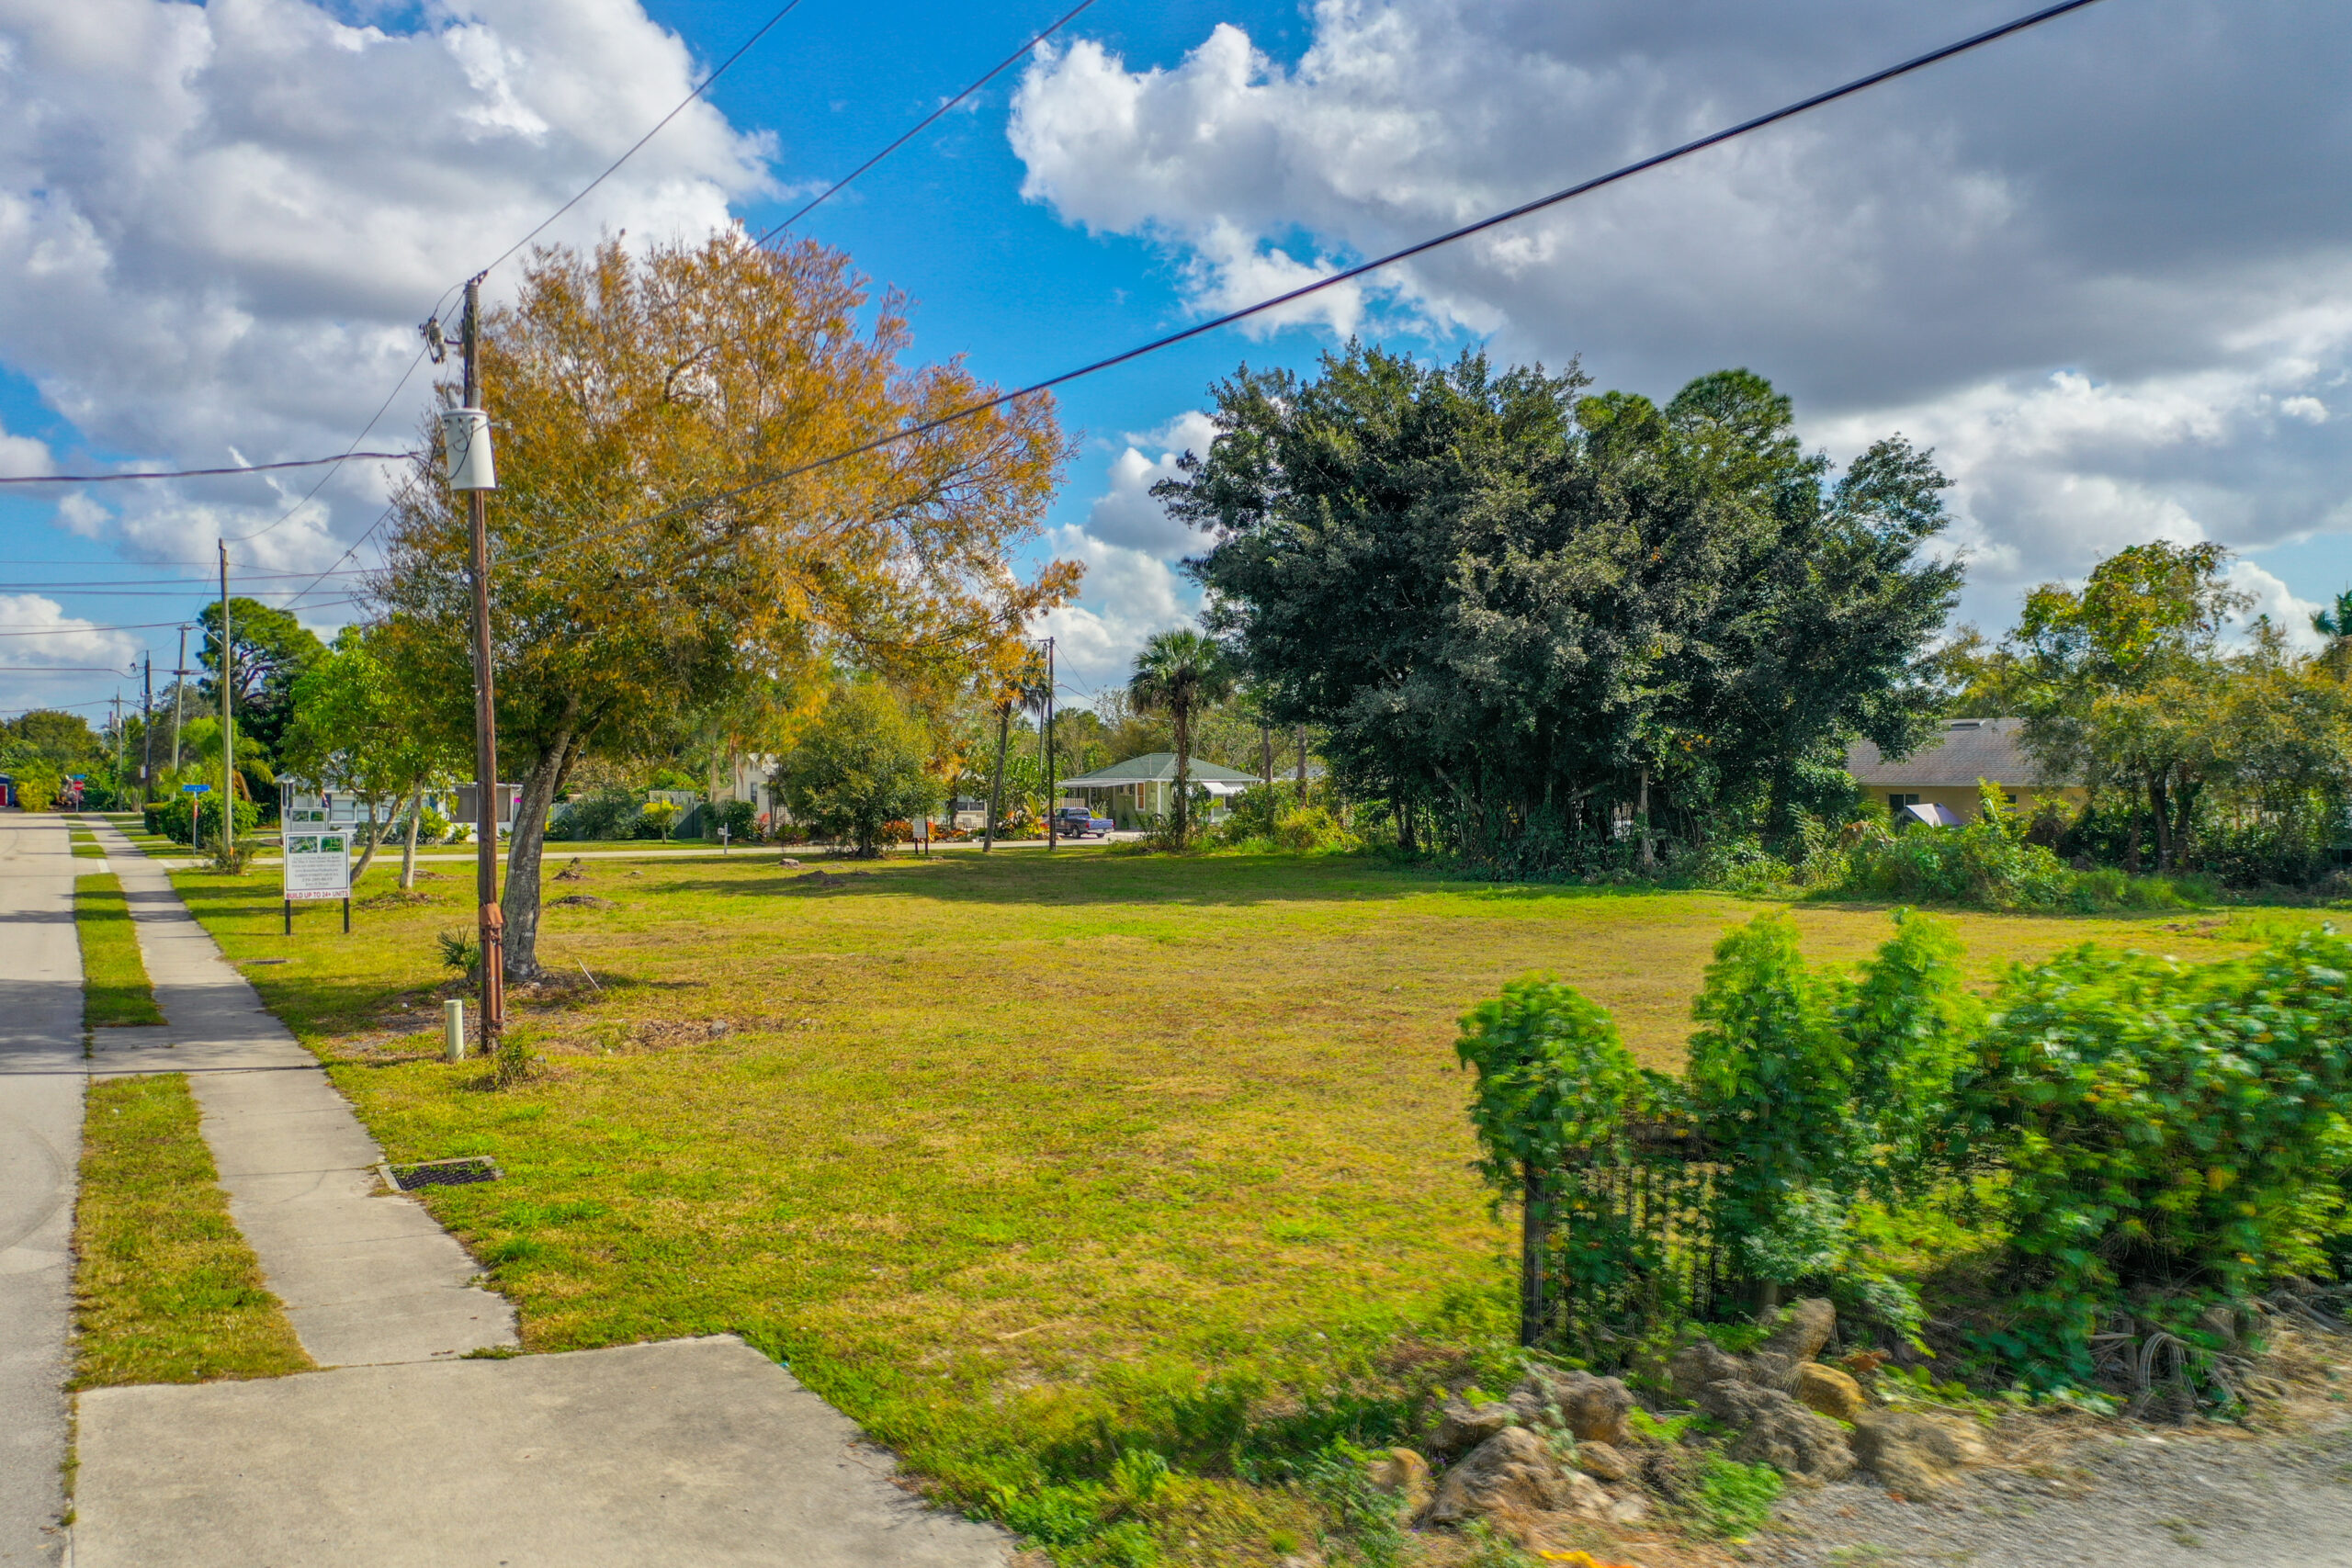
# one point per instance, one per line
(1770, 1369)
(1628, 1507)
(1603, 1462)
(1778, 1431)
(1593, 1408)
(1509, 1476)
(1700, 1363)
(1804, 1330)
(1403, 1475)
(1914, 1455)
(1830, 1392)
(1463, 1427)
(788, 863)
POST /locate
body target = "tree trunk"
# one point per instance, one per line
(408, 846)
(526, 848)
(375, 840)
(1183, 772)
(996, 787)
(1534, 1234)
(1266, 753)
(1641, 817)
(2158, 809)
(1301, 736)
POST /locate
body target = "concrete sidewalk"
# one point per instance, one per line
(692, 1451)
(40, 1145)
(366, 1276)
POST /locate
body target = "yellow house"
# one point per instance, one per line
(1944, 770)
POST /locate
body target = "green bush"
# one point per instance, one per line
(1733, 1499)
(740, 817)
(176, 819)
(600, 816)
(2174, 1135)
(1989, 863)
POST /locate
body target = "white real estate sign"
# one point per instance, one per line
(318, 849)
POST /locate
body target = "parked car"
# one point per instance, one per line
(1077, 822)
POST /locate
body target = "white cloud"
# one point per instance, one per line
(2272, 597)
(36, 631)
(22, 456)
(2083, 264)
(220, 224)
(1130, 547)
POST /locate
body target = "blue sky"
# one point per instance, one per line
(2098, 267)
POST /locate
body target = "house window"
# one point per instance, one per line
(1897, 802)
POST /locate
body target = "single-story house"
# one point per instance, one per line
(1944, 771)
(1130, 793)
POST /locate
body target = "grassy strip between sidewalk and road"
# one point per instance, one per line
(165, 1289)
(114, 981)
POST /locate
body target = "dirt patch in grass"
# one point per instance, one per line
(115, 990)
(166, 1290)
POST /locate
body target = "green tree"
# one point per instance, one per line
(1178, 672)
(2119, 682)
(1515, 608)
(651, 403)
(271, 650)
(860, 765)
(353, 731)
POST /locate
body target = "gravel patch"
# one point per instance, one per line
(2140, 1498)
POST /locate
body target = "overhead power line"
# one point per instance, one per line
(926, 122)
(1623, 172)
(199, 473)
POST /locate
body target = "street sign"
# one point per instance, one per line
(195, 789)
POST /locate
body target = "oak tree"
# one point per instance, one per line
(664, 545)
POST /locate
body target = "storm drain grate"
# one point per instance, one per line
(444, 1173)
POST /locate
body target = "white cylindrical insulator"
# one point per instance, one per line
(465, 449)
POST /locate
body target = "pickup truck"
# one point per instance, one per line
(1077, 822)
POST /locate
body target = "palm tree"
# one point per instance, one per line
(1179, 671)
(2335, 623)
(1025, 691)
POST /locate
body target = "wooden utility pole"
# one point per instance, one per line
(493, 927)
(227, 842)
(147, 732)
(179, 700)
(1053, 786)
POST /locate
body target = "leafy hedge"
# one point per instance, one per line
(176, 817)
(1989, 863)
(2174, 1135)
(2148, 1139)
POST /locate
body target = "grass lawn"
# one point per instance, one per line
(114, 980)
(1021, 1159)
(164, 1288)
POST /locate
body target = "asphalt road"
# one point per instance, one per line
(41, 1078)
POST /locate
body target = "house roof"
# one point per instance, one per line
(1969, 750)
(1153, 767)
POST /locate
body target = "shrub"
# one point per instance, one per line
(1311, 830)
(176, 819)
(432, 827)
(659, 816)
(2174, 1136)
(606, 814)
(1813, 1087)
(1732, 1498)
(1995, 862)
(740, 817)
